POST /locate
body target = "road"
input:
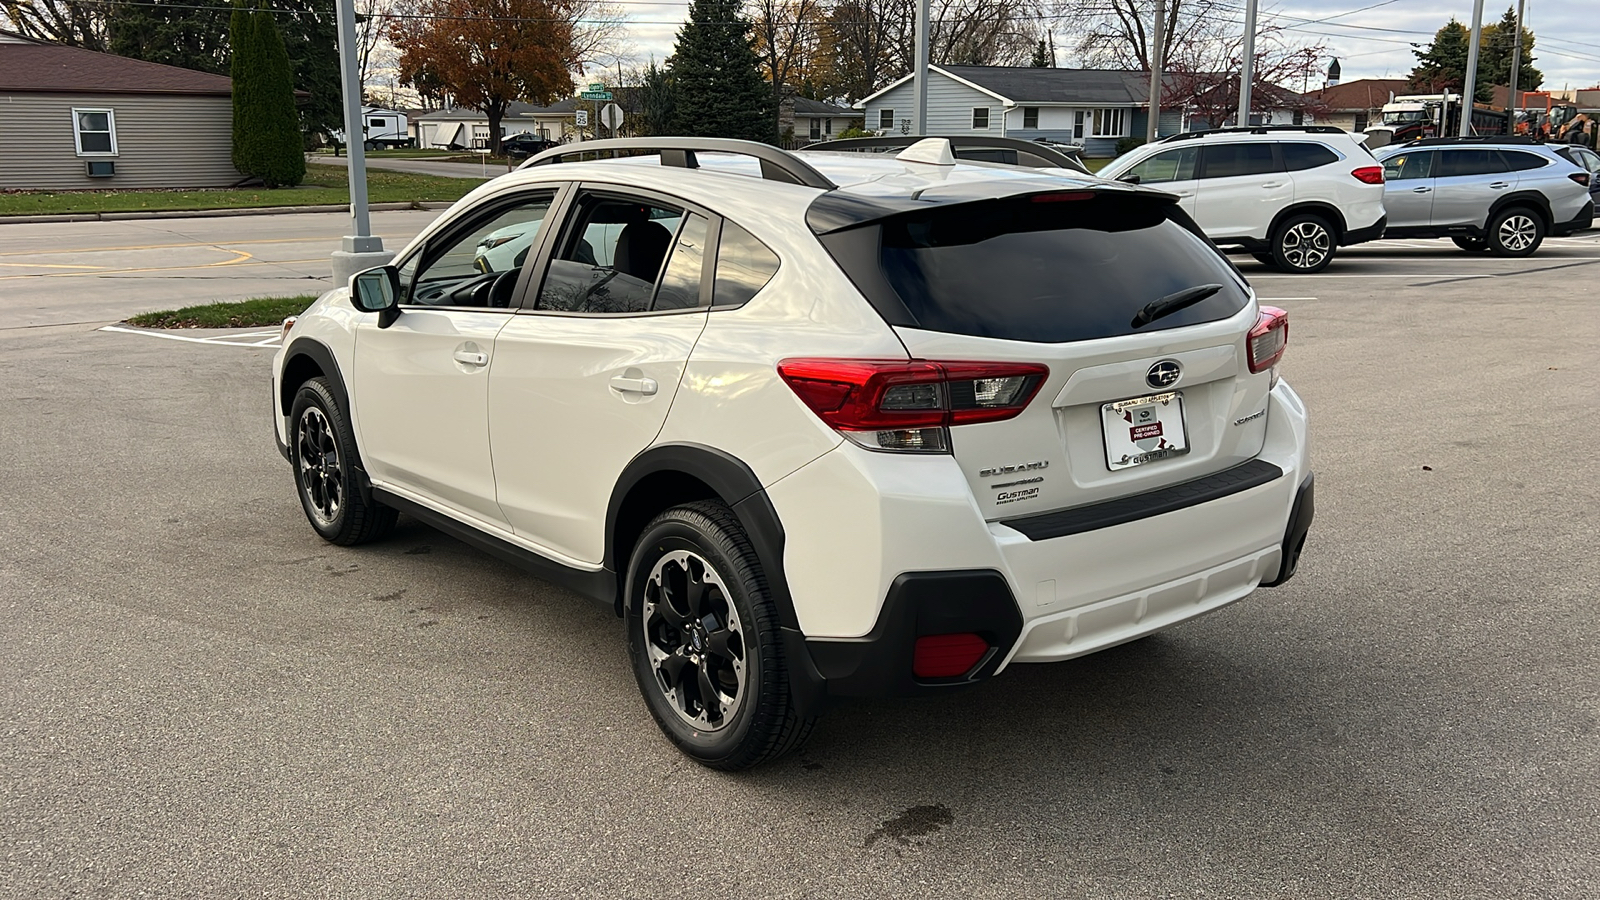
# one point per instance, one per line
(203, 699)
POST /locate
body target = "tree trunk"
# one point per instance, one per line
(496, 112)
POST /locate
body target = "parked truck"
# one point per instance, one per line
(1411, 116)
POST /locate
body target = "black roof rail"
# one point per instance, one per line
(1063, 156)
(776, 164)
(1472, 139)
(1255, 129)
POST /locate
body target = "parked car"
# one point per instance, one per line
(1589, 161)
(1290, 195)
(1037, 154)
(814, 425)
(524, 145)
(1497, 194)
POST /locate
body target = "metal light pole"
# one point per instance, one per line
(361, 250)
(1512, 103)
(1472, 70)
(921, 76)
(1158, 38)
(1247, 72)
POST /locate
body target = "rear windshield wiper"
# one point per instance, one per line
(1171, 303)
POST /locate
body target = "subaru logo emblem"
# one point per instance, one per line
(1163, 374)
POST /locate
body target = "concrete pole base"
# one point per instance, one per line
(348, 262)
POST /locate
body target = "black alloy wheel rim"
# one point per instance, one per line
(321, 470)
(693, 641)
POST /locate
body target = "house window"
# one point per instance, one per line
(1360, 123)
(827, 127)
(1110, 123)
(1077, 124)
(816, 130)
(980, 118)
(1030, 117)
(886, 119)
(1299, 117)
(95, 131)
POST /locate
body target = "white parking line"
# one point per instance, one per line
(272, 339)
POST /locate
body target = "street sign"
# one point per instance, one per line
(596, 95)
(595, 86)
(583, 118)
(611, 116)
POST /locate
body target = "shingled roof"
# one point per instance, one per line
(30, 67)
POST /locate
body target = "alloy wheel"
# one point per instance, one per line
(321, 469)
(1306, 244)
(694, 640)
(1517, 232)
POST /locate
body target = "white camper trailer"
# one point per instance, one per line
(385, 129)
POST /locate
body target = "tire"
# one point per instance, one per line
(1514, 232)
(691, 564)
(1471, 244)
(1303, 244)
(322, 451)
(369, 146)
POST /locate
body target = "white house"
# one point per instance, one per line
(470, 128)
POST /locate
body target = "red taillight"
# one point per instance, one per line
(1580, 177)
(947, 655)
(1369, 174)
(1268, 339)
(899, 395)
(1064, 197)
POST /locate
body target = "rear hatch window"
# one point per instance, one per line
(1048, 268)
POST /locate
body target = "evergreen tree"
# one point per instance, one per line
(171, 32)
(1442, 65)
(1041, 57)
(1494, 60)
(717, 88)
(655, 100)
(266, 127)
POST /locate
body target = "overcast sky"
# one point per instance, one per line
(1371, 38)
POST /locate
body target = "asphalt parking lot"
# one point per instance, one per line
(201, 698)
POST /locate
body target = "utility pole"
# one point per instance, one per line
(1247, 71)
(1472, 70)
(921, 78)
(362, 250)
(1157, 60)
(1512, 103)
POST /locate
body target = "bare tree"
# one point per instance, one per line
(70, 22)
(787, 35)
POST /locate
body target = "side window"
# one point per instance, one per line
(1474, 161)
(477, 266)
(1030, 117)
(980, 118)
(1227, 160)
(1517, 161)
(1298, 156)
(610, 256)
(885, 119)
(680, 286)
(1408, 166)
(95, 131)
(744, 266)
(1171, 165)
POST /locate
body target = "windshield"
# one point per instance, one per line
(1405, 117)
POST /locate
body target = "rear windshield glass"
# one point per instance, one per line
(1028, 269)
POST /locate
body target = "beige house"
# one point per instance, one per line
(75, 119)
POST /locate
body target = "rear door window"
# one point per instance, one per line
(1408, 166)
(1228, 160)
(1469, 161)
(1047, 268)
(610, 257)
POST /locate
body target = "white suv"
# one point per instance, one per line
(859, 427)
(1291, 195)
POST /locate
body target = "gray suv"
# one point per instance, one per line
(1497, 194)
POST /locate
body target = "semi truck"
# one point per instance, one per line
(1411, 116)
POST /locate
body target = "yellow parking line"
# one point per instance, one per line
(240, 257)
(45, 266)
(219, 244)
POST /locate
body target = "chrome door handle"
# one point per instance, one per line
(633, 385)
(467, 357)
(1422, 190)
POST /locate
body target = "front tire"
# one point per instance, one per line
(1471, 244)
(322, 450)
(1303, 244)
(1516, 232)
(704, 639)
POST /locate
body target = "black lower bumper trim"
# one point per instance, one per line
(1294, 537)
(1362, 235)
(1122, 510)
(1582, 221)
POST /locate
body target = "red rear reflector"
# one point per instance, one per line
(1580, 177)
(947, 655)
(1369, 174)
(1062, 197)
(887, 395)
(1268, 339)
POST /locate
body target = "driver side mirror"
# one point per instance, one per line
(1129, 179)
(377, 290)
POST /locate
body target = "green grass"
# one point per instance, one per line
(323, 185)
(240, 314)
(1096, 165)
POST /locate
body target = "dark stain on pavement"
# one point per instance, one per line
(918, 821)
(388, 597)
(421, 550)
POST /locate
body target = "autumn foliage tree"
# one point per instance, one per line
(488, 54)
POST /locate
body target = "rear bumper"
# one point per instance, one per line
(1583, 220)
(1362, 235)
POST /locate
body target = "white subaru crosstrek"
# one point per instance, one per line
(1291, 195)
(817, 425)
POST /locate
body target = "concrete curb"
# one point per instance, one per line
(214, 213)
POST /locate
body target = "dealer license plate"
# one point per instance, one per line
(1143, 430)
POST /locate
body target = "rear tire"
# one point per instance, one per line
(1471, 244)
(369, 146)
(704, 639)
(322, 450)
(1303, 244)
(1516, 232)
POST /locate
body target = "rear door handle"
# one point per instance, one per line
(470, 358)
(1422, 190)
(1500, 184)
(1271, 184)
(633, 385)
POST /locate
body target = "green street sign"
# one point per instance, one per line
(596, 86)
(596, 95)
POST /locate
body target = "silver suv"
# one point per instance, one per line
(1497, 194)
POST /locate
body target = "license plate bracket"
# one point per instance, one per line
(1142, 430)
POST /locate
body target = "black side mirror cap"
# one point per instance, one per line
(377, 290)
(1129, 179)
